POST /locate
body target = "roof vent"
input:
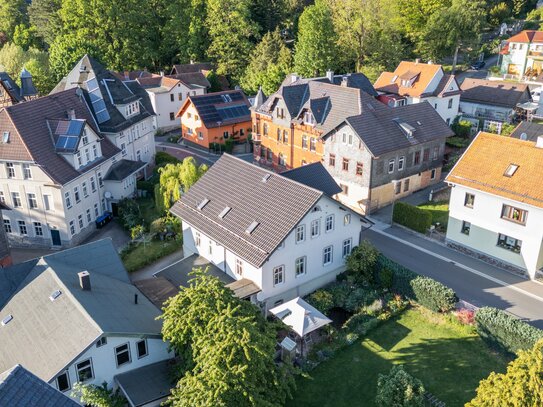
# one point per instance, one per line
(202, 204)
(252, 227)
(84, 280)
(511, 169)
(6, 320)
(524, 136)
(55, 295)
(224, 212)
(419, 123)
(266, 177)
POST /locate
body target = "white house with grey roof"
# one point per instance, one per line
(284, 238)
(74, 316)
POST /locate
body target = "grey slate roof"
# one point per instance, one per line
(21, 388)
(494, 93)
(531, 129)
(189, 68)
(11, 87)
(32, 139)
(44, 335)
(254, 194)
(315, 176)
(352, 80)
(381, 132)
(122, 169)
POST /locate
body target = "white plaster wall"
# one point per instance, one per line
(163, 105)
(502, 113)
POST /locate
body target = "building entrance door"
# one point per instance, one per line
(55, 237)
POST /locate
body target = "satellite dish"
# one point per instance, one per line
(108, 195)
(524, 136)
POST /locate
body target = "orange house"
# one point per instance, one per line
(215, 118)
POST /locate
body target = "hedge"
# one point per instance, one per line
(424, 290)
(505, 332)
(412, 217)
(163, 158)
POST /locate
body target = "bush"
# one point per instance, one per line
(361, 263)
(162, 158)
(458, 142)
(322, 300)
(465, 316)
(412, 217)
(462, 128)
(229, 145)
(148, 186)
(129, 213)
(385, 278)
(399, 389)
(433, 295)
(504, 331)
(358, 298)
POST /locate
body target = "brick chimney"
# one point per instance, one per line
(330, 76)
(84, 280)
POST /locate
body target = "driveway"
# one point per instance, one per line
(114, 231)
(481, 73)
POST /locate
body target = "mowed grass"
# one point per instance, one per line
(449, 359)
(439, 211)
(143, 255)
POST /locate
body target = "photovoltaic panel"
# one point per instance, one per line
(102, 116)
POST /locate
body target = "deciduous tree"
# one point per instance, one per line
(44, 16)
(12, 13)
(399, 389)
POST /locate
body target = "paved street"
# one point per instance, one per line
(201, 157)
(480, 74)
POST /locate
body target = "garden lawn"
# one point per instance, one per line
(448, 358)
(439, 211)
(139, 256)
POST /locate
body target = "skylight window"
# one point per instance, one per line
(266, 177)
(252, 227)
(224, 212)
(203, 204)
(5, 137)
(511, 169)
(7, 319)
(55, 295)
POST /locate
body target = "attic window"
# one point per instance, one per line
(266, 177)
(252, 227)
(5, 137)
(224, 212)
(511, 169)
(55, 295)
(407, 129)
(203, 204)
(7, 319)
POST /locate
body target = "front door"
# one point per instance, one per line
(55, 237)
(114, 209)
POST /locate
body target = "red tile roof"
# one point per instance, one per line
(527, 36)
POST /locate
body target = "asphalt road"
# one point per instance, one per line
(480, 74)
(469, 286)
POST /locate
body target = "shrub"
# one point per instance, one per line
(148, 186)
(361, 324)
(361, 263)
(504, 331)
(129, 213)
(412, 217)
(461, 128)
(358, 298)
(322, 300)
(162, 158)
(229, 145)
(433, 295)
(351, 338)
(399, 389)
(385, 278)
(465, 316)
(375, 308)
(458, 142)
(401, 276)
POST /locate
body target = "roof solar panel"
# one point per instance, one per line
(99, 105)
(74, 128)
(92, 84)
(66, 143)
(102, 116)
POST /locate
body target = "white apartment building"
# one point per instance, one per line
(496, 205)
(521, 57)
(284, 237)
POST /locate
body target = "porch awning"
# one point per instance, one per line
(123, 169)
(243, 288)
(300, 316)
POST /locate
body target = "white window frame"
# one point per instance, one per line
(315, 228)
(347, 219)
(328, 252)
(330, 220)
(32, 200)
(117, 353)
(7, 226)
(401, 163)
(27, 172)
(197, 239)
(300, 233)
(239, 267)
(391, 164)
(38, 229)
(67, 374)
(78, 370)
(16, 199)
(300, 263)
(278, 275)
(346, 243)
(138, 349)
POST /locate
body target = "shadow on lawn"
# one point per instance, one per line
(396, 333)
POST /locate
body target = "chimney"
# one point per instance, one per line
(84, 280)
(71, 114)
(161, 73)
(539, 143)
(330, 76)
(417, 60)
(345, 81)
(294, 77)
(126, 75)
(136, 299)
(430, 62)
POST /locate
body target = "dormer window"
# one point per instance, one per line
(132, 108)
(308, 118)
(510, 170)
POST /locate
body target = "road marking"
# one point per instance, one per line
(471, 270)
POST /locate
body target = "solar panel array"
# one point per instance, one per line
(211, 113)
(68, 132)
(231, 112)
(97, 101)
(66, 143)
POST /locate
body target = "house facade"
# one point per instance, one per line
(416, 82)
(287, 250)
(496, 205)
(103, 326)
(57, 172)
(522, 56)
(214, 118)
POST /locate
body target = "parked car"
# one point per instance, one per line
(478, 65)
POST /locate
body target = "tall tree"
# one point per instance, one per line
(232, 34)
(270, 62)
(12, 13)
(315, 45)
(521, 385)
(14, 58)
(44, 15)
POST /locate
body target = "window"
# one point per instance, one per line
(210, 247)
(416, 158)
(406, 185)
(72, 227)
(22, 227)
(426, 155)
(327, 255)
(265, 129)
(278, 275)
(67, 200)
(344, 189)
(436, 153)
(270, 154)
(88, 212)
(514, 214)
(465, 227)
(171, 97)
(469, 200)
(344, 138)
(239, 267)
(509, 243)
(346, 248)
(263, 153)
(96, 213)
(397, 187)
(350, 139)
(93, 184)
(347, 219)
(84, 188)
(100, 180)
(312, 144)
(123, 149)
(345, 164)
(448, 121)
(16, 198)
(308, 118)
(300, 233)
(450, 104)
(32, 201)
(84, 370)
(433, 174)
(63, 381)
(38, 230)
(10, 169)
(280, 113)
(122, 354)
(511, 169)
(304, 141)
(278, 134)
(76, 195)
(391, 165)
(332, 160)
(180, 96)
(359, 168)
(281, 159)
(315, 228)
(189, 115)
(80, 221)
(299, 266)
(141, 346)
(2, 197)
(87, 155)
(401, 162)
(285, 136)
(26, 171)
(225, 134)
(197, 239)
(7, 225)
(329, 224)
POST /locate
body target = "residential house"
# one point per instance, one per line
(214, 118)
(289, 125)
(266, 230)
(167, 93)
(203, 68)
(58, 173)
(522, 56)
(11, 93)
(379, 156)
(122, 110)
(496, 205)
(5, 252)
(528, 131)
(21, 388)
(416, 82)
(487, 103)
(74, 316)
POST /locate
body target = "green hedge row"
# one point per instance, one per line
(412, 217)
(424, 290)
(505, 332)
